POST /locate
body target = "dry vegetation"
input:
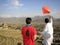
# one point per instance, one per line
(10, 32)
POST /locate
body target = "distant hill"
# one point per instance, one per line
(13, 19)
(22, 19)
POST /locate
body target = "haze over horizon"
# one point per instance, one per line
(28, 8)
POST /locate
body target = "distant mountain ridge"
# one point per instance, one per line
(22, 19)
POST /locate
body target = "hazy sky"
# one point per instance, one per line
(22, 8)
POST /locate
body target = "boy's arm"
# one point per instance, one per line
(51, 20)
(45, 30)
(35, 34)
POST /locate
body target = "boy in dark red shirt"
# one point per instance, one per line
(28, 33)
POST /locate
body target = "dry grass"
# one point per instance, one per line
(10, 33)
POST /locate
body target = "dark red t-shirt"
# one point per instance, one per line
(28, 40)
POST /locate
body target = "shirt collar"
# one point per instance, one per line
(28, 24)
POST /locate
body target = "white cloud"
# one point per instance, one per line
(11, 4)
(15, 3)
(21, 4)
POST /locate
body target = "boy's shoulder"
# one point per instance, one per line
(29, 27)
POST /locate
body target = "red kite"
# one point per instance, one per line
(45, 10)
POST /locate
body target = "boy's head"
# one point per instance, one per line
(28, 20)
(46, 20)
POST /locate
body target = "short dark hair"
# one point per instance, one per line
(46, 20)
(28, 20)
